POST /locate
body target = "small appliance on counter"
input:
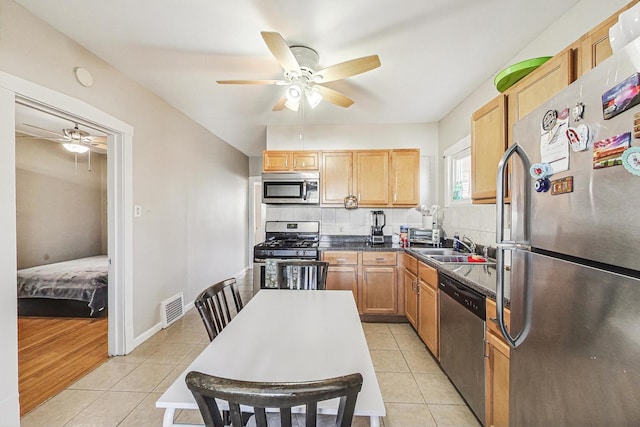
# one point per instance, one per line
(378, 221)
(425, 236)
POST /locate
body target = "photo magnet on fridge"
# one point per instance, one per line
(621, 97)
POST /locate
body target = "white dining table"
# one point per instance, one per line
(287, 335)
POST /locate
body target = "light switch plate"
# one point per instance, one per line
(137, 211)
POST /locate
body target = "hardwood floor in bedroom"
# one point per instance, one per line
(53, 353)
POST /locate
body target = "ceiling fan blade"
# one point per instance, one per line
(280, 50)
(334, 97)
(348, 68)
(252, 82)
(43, 129)
(280, 104)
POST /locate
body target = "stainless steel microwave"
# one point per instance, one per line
(291, 188)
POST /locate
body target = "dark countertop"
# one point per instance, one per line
(481, 278)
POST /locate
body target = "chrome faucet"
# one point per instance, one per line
(471, 247)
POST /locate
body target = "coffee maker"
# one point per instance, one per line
(378, 221)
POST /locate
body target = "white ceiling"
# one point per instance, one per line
(433, 53)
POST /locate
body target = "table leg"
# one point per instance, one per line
(374, 421)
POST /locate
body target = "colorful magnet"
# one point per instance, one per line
(621, 97)
(631, 160)
(608, 152)
(636, 125)
(578, 137)
(562, 185)
(577, 112)
(549, 120)
(542, 185)
(540, 170)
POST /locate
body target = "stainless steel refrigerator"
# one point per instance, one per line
(575, 254)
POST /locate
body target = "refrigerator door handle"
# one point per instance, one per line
(503, 245)
(500, 193)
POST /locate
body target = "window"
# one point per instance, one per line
(458, 172)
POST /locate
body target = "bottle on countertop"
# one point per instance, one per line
(456, 242)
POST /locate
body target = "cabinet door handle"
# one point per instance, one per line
(358, 196)
(395, 197)
(340, 260)
(380, 259)
(295, 163)
(286, 163)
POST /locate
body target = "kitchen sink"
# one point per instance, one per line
(458, 259)
(432, 251)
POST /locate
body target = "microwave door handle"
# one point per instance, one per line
(304, 190)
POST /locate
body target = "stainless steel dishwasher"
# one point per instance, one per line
(462, 328)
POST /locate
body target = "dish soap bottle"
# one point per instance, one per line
(456, 242)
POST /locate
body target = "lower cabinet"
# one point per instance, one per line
(379, 289)
(497, 358)
(343, 271)
(428, 309)
(409, 283)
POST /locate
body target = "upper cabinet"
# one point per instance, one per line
(286, 161)
(378, 178)
(337, 176)
(539, 86)
(488, 143)
(372, 177)
(405, 177)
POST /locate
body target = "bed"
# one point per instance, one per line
(75, 288)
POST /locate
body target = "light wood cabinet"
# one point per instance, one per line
(337, 176)
(594, 47)
(410, 287)
(405, 177)
(428, 310)
(497, 361)
(343, 271)
(539, 86)
(379, 288)
(371, 177)
(488, 143)
(287, 161)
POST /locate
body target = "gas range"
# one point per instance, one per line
(284, 239)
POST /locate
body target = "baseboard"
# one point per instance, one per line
(146, 334)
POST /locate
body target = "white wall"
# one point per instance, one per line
(359, 137)
(457, 124)
(191, 184)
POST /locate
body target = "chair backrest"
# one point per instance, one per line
(214, 306)
(302, 274)
(282, 396)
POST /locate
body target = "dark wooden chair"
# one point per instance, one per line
(281, 396)
(215, 306)
(302, 274)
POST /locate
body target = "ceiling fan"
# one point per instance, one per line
(73, 139)
(303, 78)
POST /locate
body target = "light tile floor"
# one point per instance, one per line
(123, 391)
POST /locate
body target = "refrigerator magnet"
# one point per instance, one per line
(636, 125)
(608, 152)
(621, 97)
(631, 160)
(540, 170)
(577, 112)
(549, 120)
(562, 185)
(578, 137)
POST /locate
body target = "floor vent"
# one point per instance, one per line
(172, 309)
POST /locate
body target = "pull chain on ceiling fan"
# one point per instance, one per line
(301, 74)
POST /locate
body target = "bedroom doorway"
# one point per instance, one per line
(120, 205)
(62, 252)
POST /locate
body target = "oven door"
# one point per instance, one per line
(291, 188)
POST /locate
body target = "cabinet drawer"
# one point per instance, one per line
(428, 274)
(378, 258)
(340, 257)
(492, 318)
(410, 263)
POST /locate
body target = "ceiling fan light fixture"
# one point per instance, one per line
(75, 147)
(313, 97)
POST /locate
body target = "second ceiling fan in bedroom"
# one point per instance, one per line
(303, 78)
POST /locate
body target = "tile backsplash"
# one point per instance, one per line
(478, 222)
(336, 221)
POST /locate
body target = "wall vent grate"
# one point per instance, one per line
(172, 309)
